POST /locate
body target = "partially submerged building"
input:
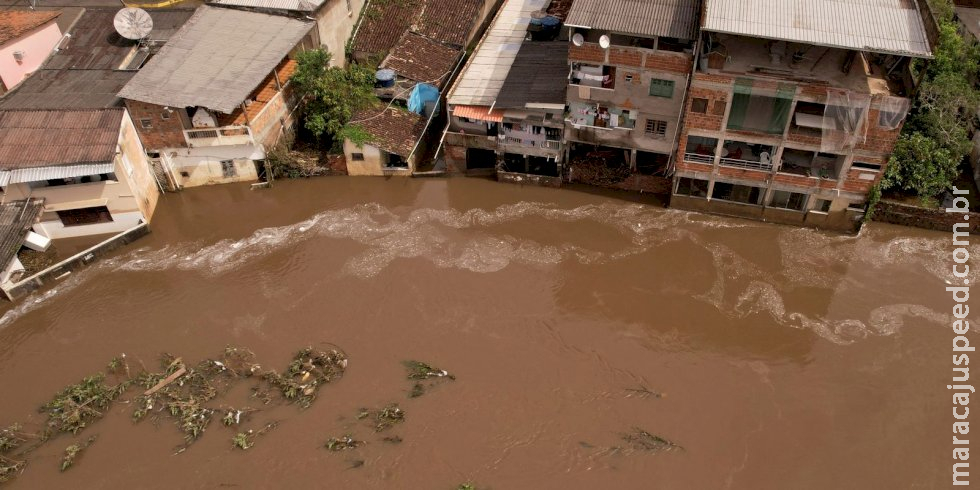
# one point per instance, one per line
(629, 68)
(792, 120)
(26, 39)
(335, 19)
(217, 96)
(471, 138)
(418, 46)
(87, 167)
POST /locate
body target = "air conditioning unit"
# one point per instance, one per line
(19, 56)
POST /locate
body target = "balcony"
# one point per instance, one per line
(811, 164)
(593, 76)
(223, 136)
(600, 116)
(745, 155)
(700, 149)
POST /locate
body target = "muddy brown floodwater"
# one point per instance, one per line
(786, 358)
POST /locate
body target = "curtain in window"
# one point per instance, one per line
(781, 106)
(740, 103)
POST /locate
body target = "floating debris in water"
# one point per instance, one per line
(643, 392)
(342, 443)
(393, 439)
(74, 451)
(466, 486)
(11, 438)
(245, 440)
(388, 416)
(234, 416)
(77, 405)
(420, 371)
(9, 468)
(308, 371)
(642, 440)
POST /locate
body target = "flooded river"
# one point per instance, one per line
(782, 357)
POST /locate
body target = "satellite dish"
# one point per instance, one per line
(133, 23)
(604, 41)
(578, 39)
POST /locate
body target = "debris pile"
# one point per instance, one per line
(340, 444)
(385, 418)
(309, 370)
(600, 168)
(642, 440)
(77, 405)
(245, 440)
(74, 451)
(421, 372)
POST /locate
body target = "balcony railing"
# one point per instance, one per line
(223, 136)
(749, 164)
(699, 158)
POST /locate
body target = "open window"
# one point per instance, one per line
(595, 76)
(762, 112)
(85, 216)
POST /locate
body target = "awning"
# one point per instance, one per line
(478, 112)
(38, 174)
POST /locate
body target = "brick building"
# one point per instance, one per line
(793, 120)
(217, 95)
(629, 68)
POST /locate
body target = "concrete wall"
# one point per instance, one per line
(374, 161)
(839, 220)
(335, 23)
(641, 65)
(36, 47)
(203, 166)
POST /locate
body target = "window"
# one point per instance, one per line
(788, 200)
(596, 76)
(866, 166)
(396, 161)
(628, 78)
(85, 216)
(165, 115)
(661, 88)
(357, 157)
(822, 205)
(656, 129)
(228, 169)
(744, 194)
(467, 120)
(764, 113)
(692, 187)
(699, 105)
(146, 123)
(719, 108)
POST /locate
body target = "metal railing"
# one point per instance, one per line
(750, 164)
(226, 135)
(699, 158)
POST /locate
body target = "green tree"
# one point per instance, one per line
(333, 94)
(935, 138)
(922, 165)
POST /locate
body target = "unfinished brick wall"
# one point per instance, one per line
(671, 63)
(162, 133)
(714, 116)
(625, 57)
(879, 140)
(587, 52)
(744, 174)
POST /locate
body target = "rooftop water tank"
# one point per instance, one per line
(385, 77)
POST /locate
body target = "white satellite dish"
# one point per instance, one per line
(133, 23)
(604, 41)
(578, 39)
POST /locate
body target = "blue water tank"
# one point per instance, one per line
(385, 77)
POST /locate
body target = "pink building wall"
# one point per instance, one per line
(36, 47)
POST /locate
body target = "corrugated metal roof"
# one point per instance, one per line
(484, 74)
(46, 138)
(668, 18)
(886, 26)
(216, 59)
(295, 5)
(37, 174)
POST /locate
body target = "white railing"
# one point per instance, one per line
(699, 158)
(735, 162)
(223, 136)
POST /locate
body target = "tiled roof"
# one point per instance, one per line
(393, 130)
(669, 18)
(216, 59)
(16, 23)
(887, 26)
(481, 113)
(45, 138)
(420, 59)
(385, 21)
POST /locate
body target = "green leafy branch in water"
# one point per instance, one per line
(245, 440)
(77, 405)
(385, 418)
(308, 371)
(9, 468)
(342, 443)
(74, 451)
(420, 371)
